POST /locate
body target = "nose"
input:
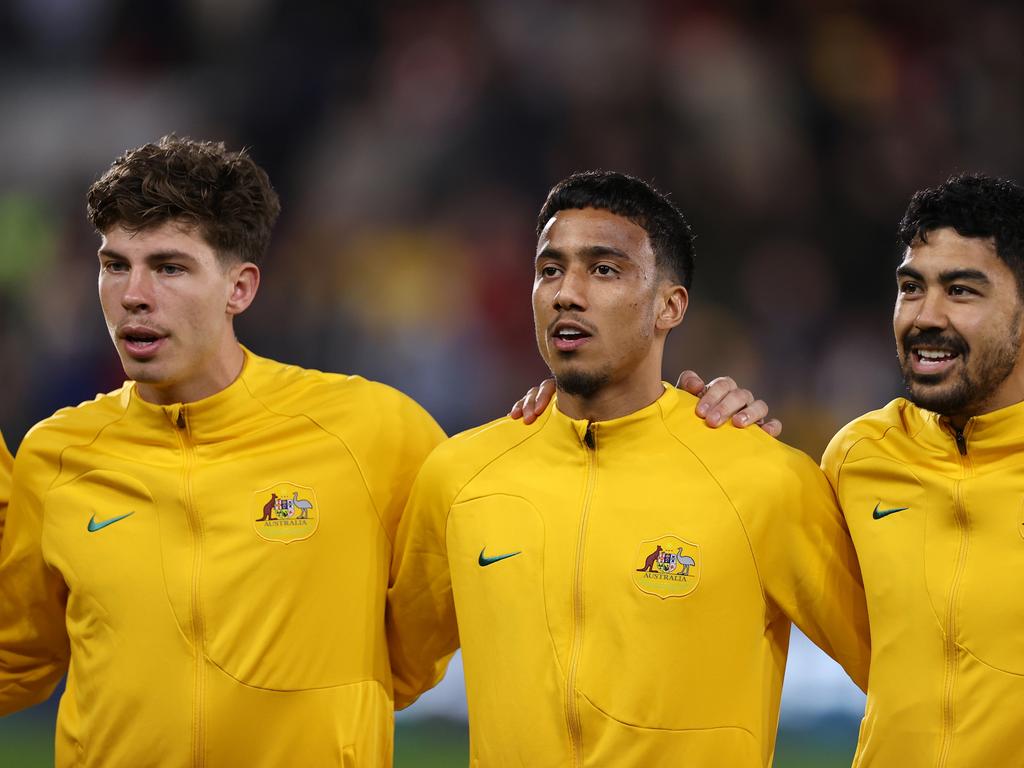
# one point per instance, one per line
(138, 291)
(571, 292)
(931, 311)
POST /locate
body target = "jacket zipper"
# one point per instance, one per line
(572, 711)
(950, 649)
(198, 631)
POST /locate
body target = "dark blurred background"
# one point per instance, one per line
(412, 144)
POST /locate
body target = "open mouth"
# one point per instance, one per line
(141, 342)
(932, 359)
(569, 336)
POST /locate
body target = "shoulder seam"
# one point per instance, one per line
(473, 476)
(738, 516)
(362, 475)
(846, 454)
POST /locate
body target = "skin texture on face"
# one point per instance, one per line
(169, 303)
(957, 323)
(601, 312)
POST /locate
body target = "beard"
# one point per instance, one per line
(964, 391)
(579, 383)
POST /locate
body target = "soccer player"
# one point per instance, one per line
(622, 579)
(205, 551)
(932, 489)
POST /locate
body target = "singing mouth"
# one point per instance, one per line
(141, 341)
(568, 335)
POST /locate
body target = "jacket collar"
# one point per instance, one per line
(220, 416)
(987, 438)
(623, 429)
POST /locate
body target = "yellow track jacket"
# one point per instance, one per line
(215, 572)
(5, 482)
(624, 589)
(938, 523)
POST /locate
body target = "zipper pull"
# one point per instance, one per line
(589, 438)
(180, 421)
(961, 441)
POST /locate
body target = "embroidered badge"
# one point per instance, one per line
(286, 512)
(667, 567)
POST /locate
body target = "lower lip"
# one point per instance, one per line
(568, 345)
(140, 350)
(925, 366)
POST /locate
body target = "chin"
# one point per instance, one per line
(581, 383)
(144, 372)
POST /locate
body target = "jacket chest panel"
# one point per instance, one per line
(662, 566)
(990, 611)
(669, 573)
(190, 552)
(886, 507)
(947, 551)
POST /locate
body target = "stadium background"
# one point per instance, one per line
(412, 144)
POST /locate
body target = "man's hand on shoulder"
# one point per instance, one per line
(719, 399)
(722, 397)
(533, 403)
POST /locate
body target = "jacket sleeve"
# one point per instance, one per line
(421, 629)
(410, 434)
(5, 483)
(34, 648)
(810, 569)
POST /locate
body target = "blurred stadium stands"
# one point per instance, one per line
(412, 144)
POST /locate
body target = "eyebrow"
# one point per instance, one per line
(949, 276)
(589, 252)
(155, 257)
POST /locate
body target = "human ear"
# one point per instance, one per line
(245, 281)
(673, 302)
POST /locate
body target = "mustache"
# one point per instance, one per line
(571, 318)
(953, 342)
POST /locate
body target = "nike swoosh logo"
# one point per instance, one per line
(878, 514)
(484, 560)
(94, 526)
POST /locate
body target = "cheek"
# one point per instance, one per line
(901, 321)
(110, 302)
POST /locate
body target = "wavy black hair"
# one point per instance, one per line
(975, 205)
(627, 196)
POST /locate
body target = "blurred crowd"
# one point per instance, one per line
(413, 142)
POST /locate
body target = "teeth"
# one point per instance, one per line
(934, 354)
(568, 333)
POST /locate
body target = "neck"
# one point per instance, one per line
(1010, 392)
(213, 379)
(610, 402)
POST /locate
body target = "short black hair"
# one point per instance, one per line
(627, 196)
(975, 205)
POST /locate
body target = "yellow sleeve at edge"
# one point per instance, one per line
(34, 649)
(811, 569)
(5, 482)
(421, 627)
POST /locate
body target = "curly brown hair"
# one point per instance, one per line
(226, 195)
